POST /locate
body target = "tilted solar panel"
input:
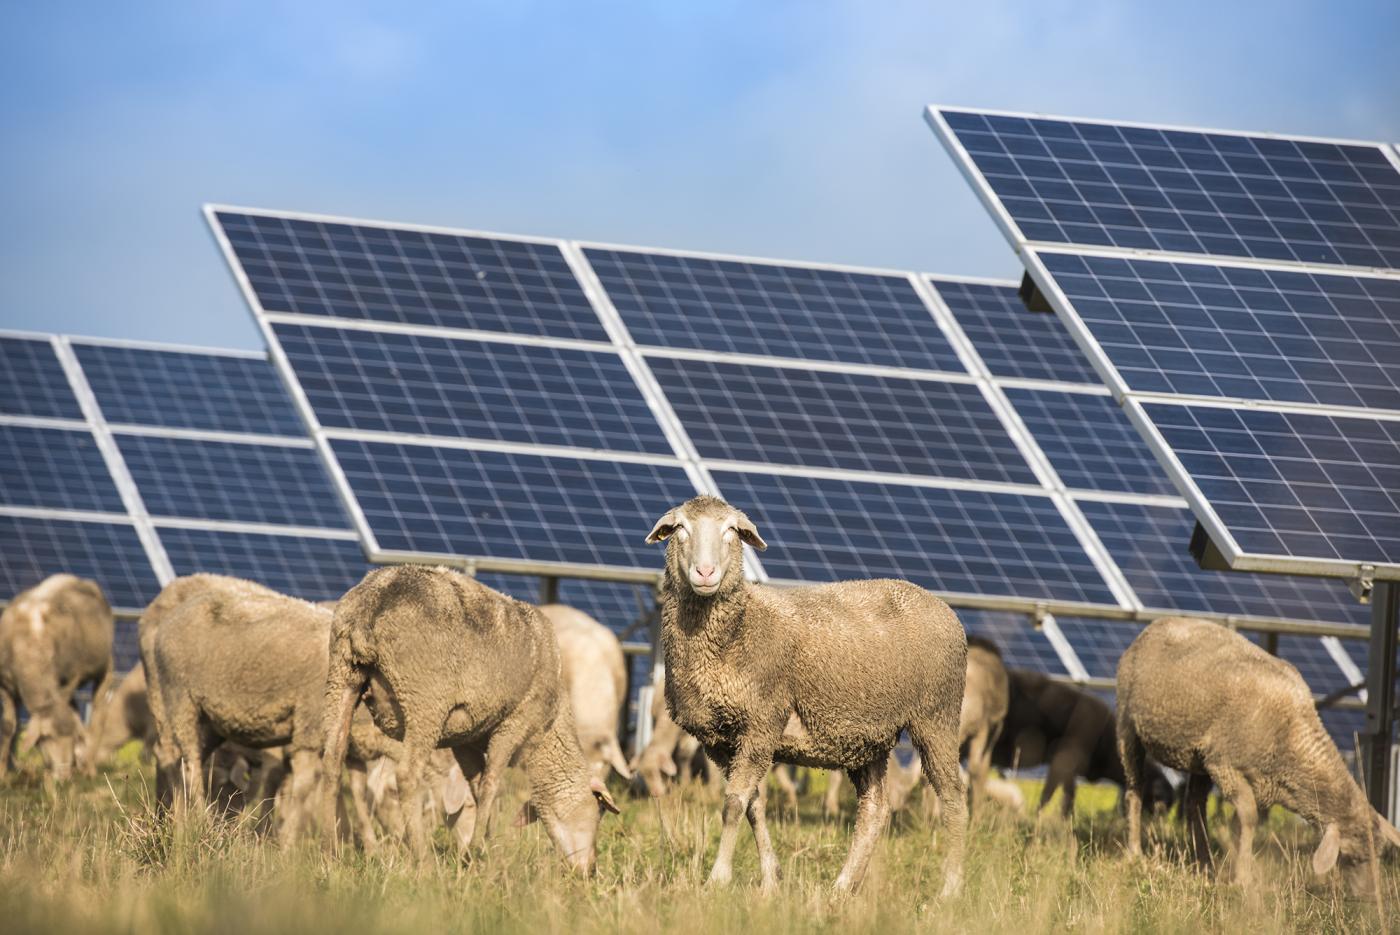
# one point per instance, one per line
(307, 566)
(56, 468)
(772, 309)
(1099, 643)
(1182, 191)
(1022, 647)
(212, 391)
(1011, 341)
(32, 381)
(853, 421)
(110, 553)
(426, 385)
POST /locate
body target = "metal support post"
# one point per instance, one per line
(549, 590)
(1380, 695)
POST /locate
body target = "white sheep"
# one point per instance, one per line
(594, 671)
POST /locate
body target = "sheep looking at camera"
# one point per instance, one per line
(823, 676)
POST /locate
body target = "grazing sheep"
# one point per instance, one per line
(53, 638)
(126, 716)
(594, 671)
(448, 662)
(1200, 698)
(1051, 722)
(238, 662)
(670, 752)
(823, 676)
(446, 797)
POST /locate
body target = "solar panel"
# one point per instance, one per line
(109, 553)
(198, 479)
(461, 502)
(1298, 485)
(56, 468)
(1239, 332)
(310, 567)
(32, 381)
(1089, 441)
(1149, 544)
(788, 415)
(1182, 191)
(212, 391)
(1099, 643)
(774, 309)
(1022, 647)
(377, 273)
(963, 541)
(1011, 341)
(424, 385)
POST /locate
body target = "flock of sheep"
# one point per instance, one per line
(403, 703)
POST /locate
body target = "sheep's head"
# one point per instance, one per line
(60, 738)
(705, 548)
(1353, 846)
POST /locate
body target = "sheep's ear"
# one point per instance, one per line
(455, 791)
(613, 754)
(1325, 857)
(748, 532)
(600, 792)
(1388, 832)
(663, 528)
(39, 728)
(668, 766)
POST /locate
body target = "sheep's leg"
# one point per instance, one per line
(1134, 770)
(417, 745)
(1194, 802)
(783, 776)
(500, 750)
(359, 802)
(1235, 787)
(831, 802)
(463, 822)
(936, 739)
(744, 772)
(9, 724)
(872, 814)
(301, 795)
(979, 764)
(769, 871)
(189, 741)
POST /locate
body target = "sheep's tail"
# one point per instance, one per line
(344, 685)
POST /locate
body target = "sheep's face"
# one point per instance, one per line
(60, 740)
(1352, 849)
(571, 821)
(705, 535)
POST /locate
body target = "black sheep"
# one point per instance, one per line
(1071, 730)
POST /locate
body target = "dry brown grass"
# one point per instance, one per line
(90, 857)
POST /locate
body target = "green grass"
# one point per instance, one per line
(91, 857)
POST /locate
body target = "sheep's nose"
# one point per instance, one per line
(705, 571)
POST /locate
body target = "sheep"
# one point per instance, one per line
(1073, 731)
(126, 717)
(1202, 699)
(448, 662)
(670, 752)
(823, 676)
(235, 661)
(54, 637)
(447, 797)
(594, 671)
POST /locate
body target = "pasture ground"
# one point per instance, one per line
(89, 858)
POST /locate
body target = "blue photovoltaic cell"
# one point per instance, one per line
(1013, 341)
(1090, 442)
(962, 541)
(126, 650)
(1021, 646)
(450, 501)
(615, 604)
(1344, 725)
(1313, 662)
(781, 311)
(1305, 486)
(787, 415)
(470, 389)
(310, 568)
(1150, 545)
(188, 390)
(363, 271)
(1099, 643)
(57, 468)
(181, 477)
(109, 553)
(1188, 191)
(1206, 330)
(32, 381)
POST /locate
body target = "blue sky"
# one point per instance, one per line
(787, 129)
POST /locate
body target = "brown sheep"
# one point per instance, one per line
(823, 676)
(1204, 700)
(448, 662)
(235, 661)
(595, 676)
(126, 716)
(985, 700)
(53, 638)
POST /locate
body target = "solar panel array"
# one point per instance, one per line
(874, 423)
(1240, 295)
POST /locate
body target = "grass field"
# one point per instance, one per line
(90, 857)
